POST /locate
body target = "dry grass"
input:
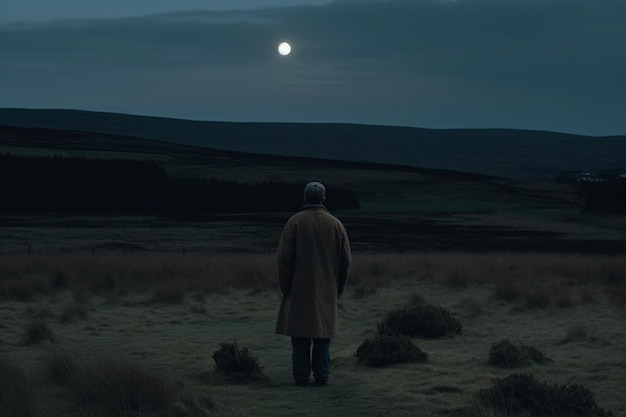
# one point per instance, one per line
(530, 280)
(113, 385)
(16, 392)
(23, 277)
(166, 342)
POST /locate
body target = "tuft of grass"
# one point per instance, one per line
(473, 307)
(38, 331)
(39, 312)
(198, 308)
(575, 333)
(25, 289)
(521, 394)
(360, 292)
(16, 392)
(74, 311)
(426, 320)
(117, 386)
(389, 350)
(59, 279)
(618, 294)
(168, 293)
(508, 291)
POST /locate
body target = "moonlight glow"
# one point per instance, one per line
(284, 49)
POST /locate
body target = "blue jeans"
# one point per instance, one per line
(304, 361)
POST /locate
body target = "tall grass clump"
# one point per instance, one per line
(114, 385)
(72, 312)
(578, 332)
(16, 392)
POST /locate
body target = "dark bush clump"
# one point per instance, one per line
(237, 362)
(425, 320)
(506, 354)
(388, 350)
(520, 393)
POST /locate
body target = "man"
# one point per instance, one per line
(313, 260)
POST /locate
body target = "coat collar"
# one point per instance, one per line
(313, 206)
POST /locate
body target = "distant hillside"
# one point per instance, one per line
(497, 152)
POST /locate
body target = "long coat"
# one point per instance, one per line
(313, 261)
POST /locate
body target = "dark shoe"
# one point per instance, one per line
(302, 383)
(321, 383)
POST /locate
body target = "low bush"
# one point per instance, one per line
(237, 362)
(427, 321)
(388, 350)
(521, 394)
(506, 354)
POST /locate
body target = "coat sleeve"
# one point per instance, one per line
(345, 263)
(285, 258)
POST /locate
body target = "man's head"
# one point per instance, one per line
(314, 193)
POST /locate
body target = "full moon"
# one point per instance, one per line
(284, 48)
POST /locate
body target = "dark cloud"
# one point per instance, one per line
(538, 64)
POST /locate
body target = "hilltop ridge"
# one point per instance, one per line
(505, 153)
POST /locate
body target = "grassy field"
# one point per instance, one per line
(118, 315)
(151, 324)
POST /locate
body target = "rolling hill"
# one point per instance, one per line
(496, 152)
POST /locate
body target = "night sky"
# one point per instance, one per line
(556, 65)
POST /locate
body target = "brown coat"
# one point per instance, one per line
(313, 261)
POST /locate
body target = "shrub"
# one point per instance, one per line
(16, 392)
(426, 321)
(38, 331)
(388, 350)
(237, 362)
(506, 354)
(520, 393)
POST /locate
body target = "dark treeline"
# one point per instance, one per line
(85, 185)
(605, 197)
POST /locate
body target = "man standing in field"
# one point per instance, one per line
(313, 261)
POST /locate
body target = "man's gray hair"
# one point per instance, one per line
(314, 192)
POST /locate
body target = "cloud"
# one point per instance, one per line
(432, 63)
